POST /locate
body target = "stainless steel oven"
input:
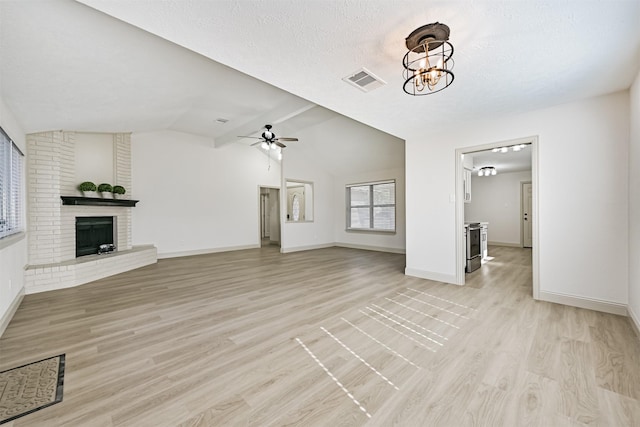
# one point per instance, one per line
(474, 258)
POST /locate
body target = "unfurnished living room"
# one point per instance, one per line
(330, 212)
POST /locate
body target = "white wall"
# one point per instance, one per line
(297, 166)
(382, 241)
(94, 158)
(634, 203)
(195, 198)
(496, 200)
(13, 249)
(583, 216)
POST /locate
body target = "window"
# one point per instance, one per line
(11, 165)
(372, 206)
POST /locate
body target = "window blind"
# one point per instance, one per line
(372, 206)
(11, 186)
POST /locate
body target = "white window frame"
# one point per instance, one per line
(11, 187)
(371, 207)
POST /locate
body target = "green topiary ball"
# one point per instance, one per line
(105, 188)
(87, 186)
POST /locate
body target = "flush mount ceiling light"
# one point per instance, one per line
(428, 63)
(517, 147)
(487, 170)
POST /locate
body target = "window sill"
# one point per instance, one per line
(12, 239)
(369, 230)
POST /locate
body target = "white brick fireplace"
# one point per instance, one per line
(51, 225)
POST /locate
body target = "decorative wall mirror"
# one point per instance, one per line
(299, 201)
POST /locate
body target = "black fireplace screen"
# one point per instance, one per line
(91, 232)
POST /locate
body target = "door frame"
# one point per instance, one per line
(459, 206)
(522, 196)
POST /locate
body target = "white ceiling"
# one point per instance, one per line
(66, 65)
(511, 161)
(510, 56)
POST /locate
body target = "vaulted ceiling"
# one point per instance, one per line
(67, 65)
(510, 56)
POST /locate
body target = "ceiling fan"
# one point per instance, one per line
(268, 139)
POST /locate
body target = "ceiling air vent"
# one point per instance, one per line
(364, 80)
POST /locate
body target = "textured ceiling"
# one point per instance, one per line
(510, 56)
(511, 161)
(66, 65)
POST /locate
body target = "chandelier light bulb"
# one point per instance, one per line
(264, 145)
(480, 172)
(504, 149)
(516, 148)
(493, 171)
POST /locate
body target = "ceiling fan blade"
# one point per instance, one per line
(286, 139)
(252, 137)
(255, 143)
(279, 144)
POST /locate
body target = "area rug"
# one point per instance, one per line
(29, 388)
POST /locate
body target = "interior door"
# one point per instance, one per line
(527, 210)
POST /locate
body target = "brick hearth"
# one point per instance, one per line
(51, 225)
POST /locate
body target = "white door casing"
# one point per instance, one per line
(527, 214)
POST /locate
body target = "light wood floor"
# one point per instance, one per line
(327, 337)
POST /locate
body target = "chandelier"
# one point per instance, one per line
(487, 170)
(428, 63)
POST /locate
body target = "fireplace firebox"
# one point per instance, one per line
(93, 232)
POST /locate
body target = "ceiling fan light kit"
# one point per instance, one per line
(429, 60)
(269, 142)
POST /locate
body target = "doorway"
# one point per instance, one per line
(269, 216)
(462, 174)
(526, 201)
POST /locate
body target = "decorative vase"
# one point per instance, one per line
(91, 194)
(106, 195)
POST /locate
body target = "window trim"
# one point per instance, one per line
(371, 207)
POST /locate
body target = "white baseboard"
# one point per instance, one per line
(508, 245)
(582, 302)
(8, 315)
(371, 248)
(635, 320)
(162, 255)
(430, 275)
(306, 248)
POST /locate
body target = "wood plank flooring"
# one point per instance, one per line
(327, 337)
